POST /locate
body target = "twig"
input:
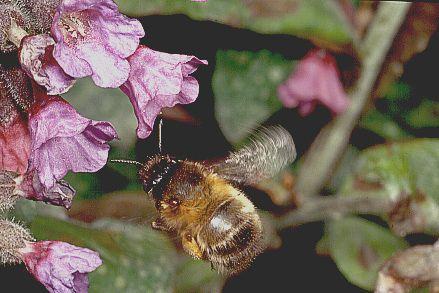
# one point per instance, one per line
(335, 206)
(333, 139)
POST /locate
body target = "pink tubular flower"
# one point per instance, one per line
(37, 61)
(63, 140)
(59, 266)
(94, 39)
(159, 80)
(60, 194)
(316, 79)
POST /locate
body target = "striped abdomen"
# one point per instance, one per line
(233, 235)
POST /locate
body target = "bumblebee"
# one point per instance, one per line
(203, 204)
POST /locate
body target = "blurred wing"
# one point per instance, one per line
(269, 151)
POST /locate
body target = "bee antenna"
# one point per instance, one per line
(160, 131)
(127, 162)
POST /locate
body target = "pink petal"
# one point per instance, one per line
(37, 61)
(159, 80)
(59, 266)
(14, 145)
(70, 63)
(97, 41)
(109, 70)
(63, 140)
(61, 194)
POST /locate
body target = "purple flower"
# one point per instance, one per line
(94, 39)
(59, 266)
(316, 79)
(63, 140)
(37, 61)
(159, 80)
(60, 194)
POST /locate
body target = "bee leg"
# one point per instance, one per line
(158, 224)
(191, 246)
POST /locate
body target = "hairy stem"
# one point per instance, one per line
(331, 142)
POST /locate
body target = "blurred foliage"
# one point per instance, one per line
(197, 276)
(316, 19)
(382, 125)
(384, 122)
(245, 88)
(401, 170)
(424, 115)
(359, 248)
(397, 113)
(135, 258)
(420, 24)
(87, 185)
(344, 169)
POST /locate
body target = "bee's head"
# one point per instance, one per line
(156, 174)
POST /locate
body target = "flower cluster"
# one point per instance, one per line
(86, 38)
(42, 137)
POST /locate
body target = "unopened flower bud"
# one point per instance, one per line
(13, 237)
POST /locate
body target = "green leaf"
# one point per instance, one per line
(398, 92)
(425, 115)
(360, 247)
(383, 125)
(245, 88)
(421, 290)
(87, 185)
(110, 105)
(312, 19)
(129, 171)
(135, 258)
(322, 247)
(401, 170)
(404, 167)
(197, 276)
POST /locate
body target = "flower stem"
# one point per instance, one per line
(332, 141)
(335, 206)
